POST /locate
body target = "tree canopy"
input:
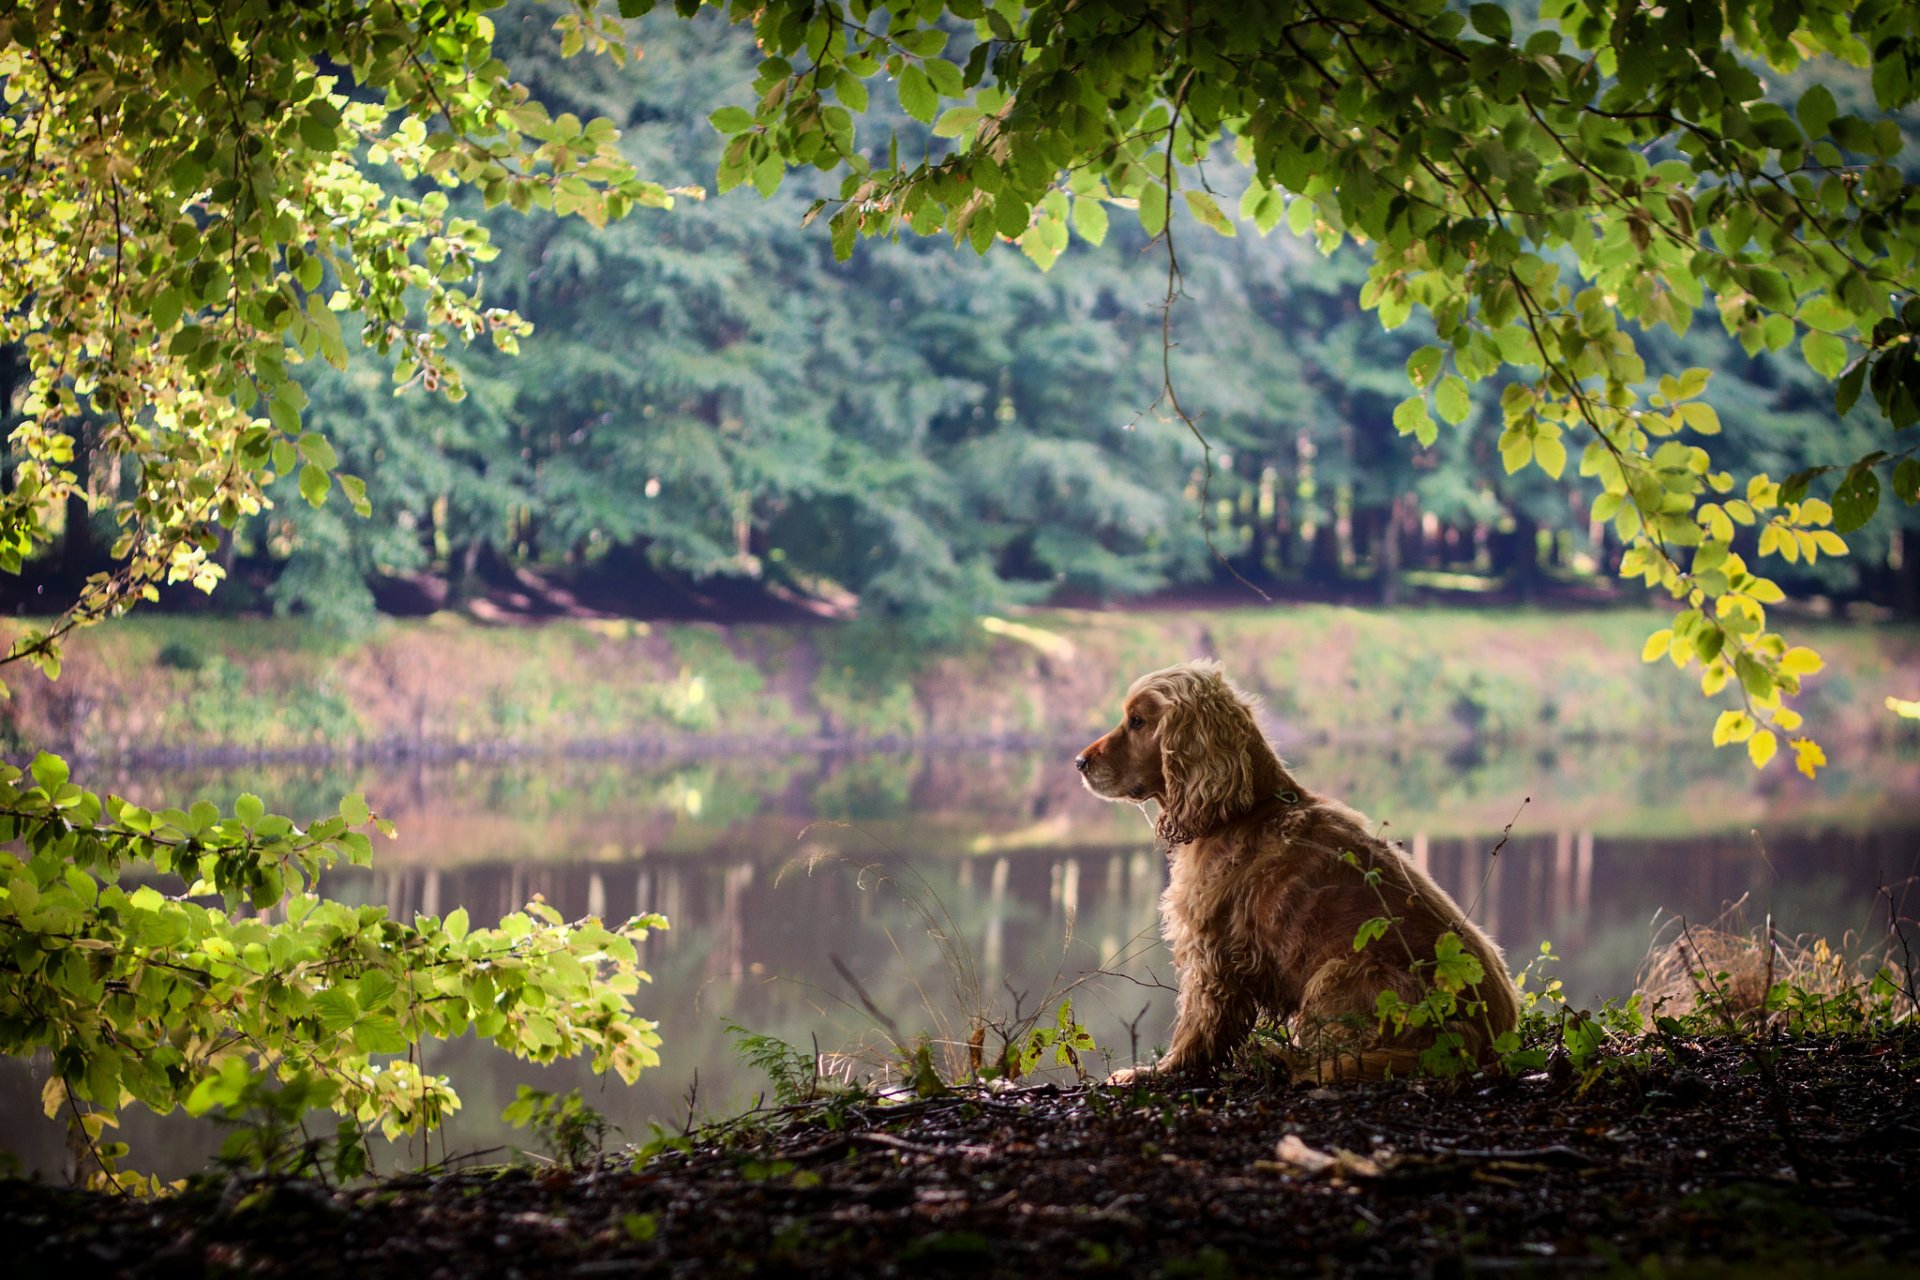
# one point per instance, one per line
(1540, 195)
(194, 208)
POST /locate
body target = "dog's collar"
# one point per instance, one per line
(1174, 836)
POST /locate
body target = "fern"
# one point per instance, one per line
(793, 1074)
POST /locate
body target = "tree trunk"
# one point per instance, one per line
(1387, 563)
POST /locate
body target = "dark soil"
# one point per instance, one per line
(1677, 1167)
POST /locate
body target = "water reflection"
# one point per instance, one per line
(965, 886)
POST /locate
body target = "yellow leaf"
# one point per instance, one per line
(1815, 511)
(1766, 591)
(1808, 756)
(1801, 661)
(1732, 726)
(1701, 418)
(1656, 646)
(1714, 680)
(1830, 542)
(53, 1094)
(1551, 455)
(1788, 719)
(1903, 708)
(1760, 748)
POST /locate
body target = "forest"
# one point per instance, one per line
(713, 400)
(644, 527)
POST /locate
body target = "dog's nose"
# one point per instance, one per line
(1080, 763)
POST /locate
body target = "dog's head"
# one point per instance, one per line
(1187, 739)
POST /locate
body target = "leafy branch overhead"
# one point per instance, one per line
(191, 209)
(1540, 195)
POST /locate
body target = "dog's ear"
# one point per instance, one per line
(1210, 754)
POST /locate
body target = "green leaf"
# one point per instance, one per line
(1410, 417)
(1153, 209)
(374, 990)
(1491, 20)
(249, 809)
(1207, 211)
(731, 120)
(955, 121)
(1816, 110)
(917, 97)
(314, 485)
(354, 811)
(50, 771)
(336, 1008)
(1906, 480)
(379, 1033)
(316, 449)
(356, 490)
(1855, 501)
(1423, 364)
(1090, 219)
(1452, 400)
(1826, 355)
(165, 310)
(1848, 389)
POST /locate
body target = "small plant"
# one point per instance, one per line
(571, 1130)
(266, 1125)
(1450, 980)
(795, 1076)
(1453, 972)
(1066, 1038)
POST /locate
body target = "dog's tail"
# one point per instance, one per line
(1368, 1064)
(1329, 1067)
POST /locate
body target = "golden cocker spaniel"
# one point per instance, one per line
(1269, 886)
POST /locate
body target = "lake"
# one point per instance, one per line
(961, 886)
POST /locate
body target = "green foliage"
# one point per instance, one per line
(266, 1124)
(573, 1132)
(795, 1076)
(1066, 1039)
(191, 212)
(161, 999)
(1538, 196)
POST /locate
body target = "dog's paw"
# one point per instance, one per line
(1129, 1076)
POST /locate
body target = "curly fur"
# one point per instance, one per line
(1261, 907)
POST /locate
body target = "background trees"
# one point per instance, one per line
(712, 396)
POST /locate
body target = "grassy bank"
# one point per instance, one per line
(189, 687)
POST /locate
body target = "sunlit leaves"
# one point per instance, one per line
(1540, 205)
(184, 226)
(172, 1001)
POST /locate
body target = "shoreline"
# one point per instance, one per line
(164, 691)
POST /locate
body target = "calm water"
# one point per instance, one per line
(964, 885)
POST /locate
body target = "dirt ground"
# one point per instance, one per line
(1694, 1164)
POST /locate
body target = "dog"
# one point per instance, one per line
(1269, 886)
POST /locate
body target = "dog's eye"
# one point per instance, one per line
(1135, 722)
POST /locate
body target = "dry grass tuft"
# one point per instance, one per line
(1731, 965)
